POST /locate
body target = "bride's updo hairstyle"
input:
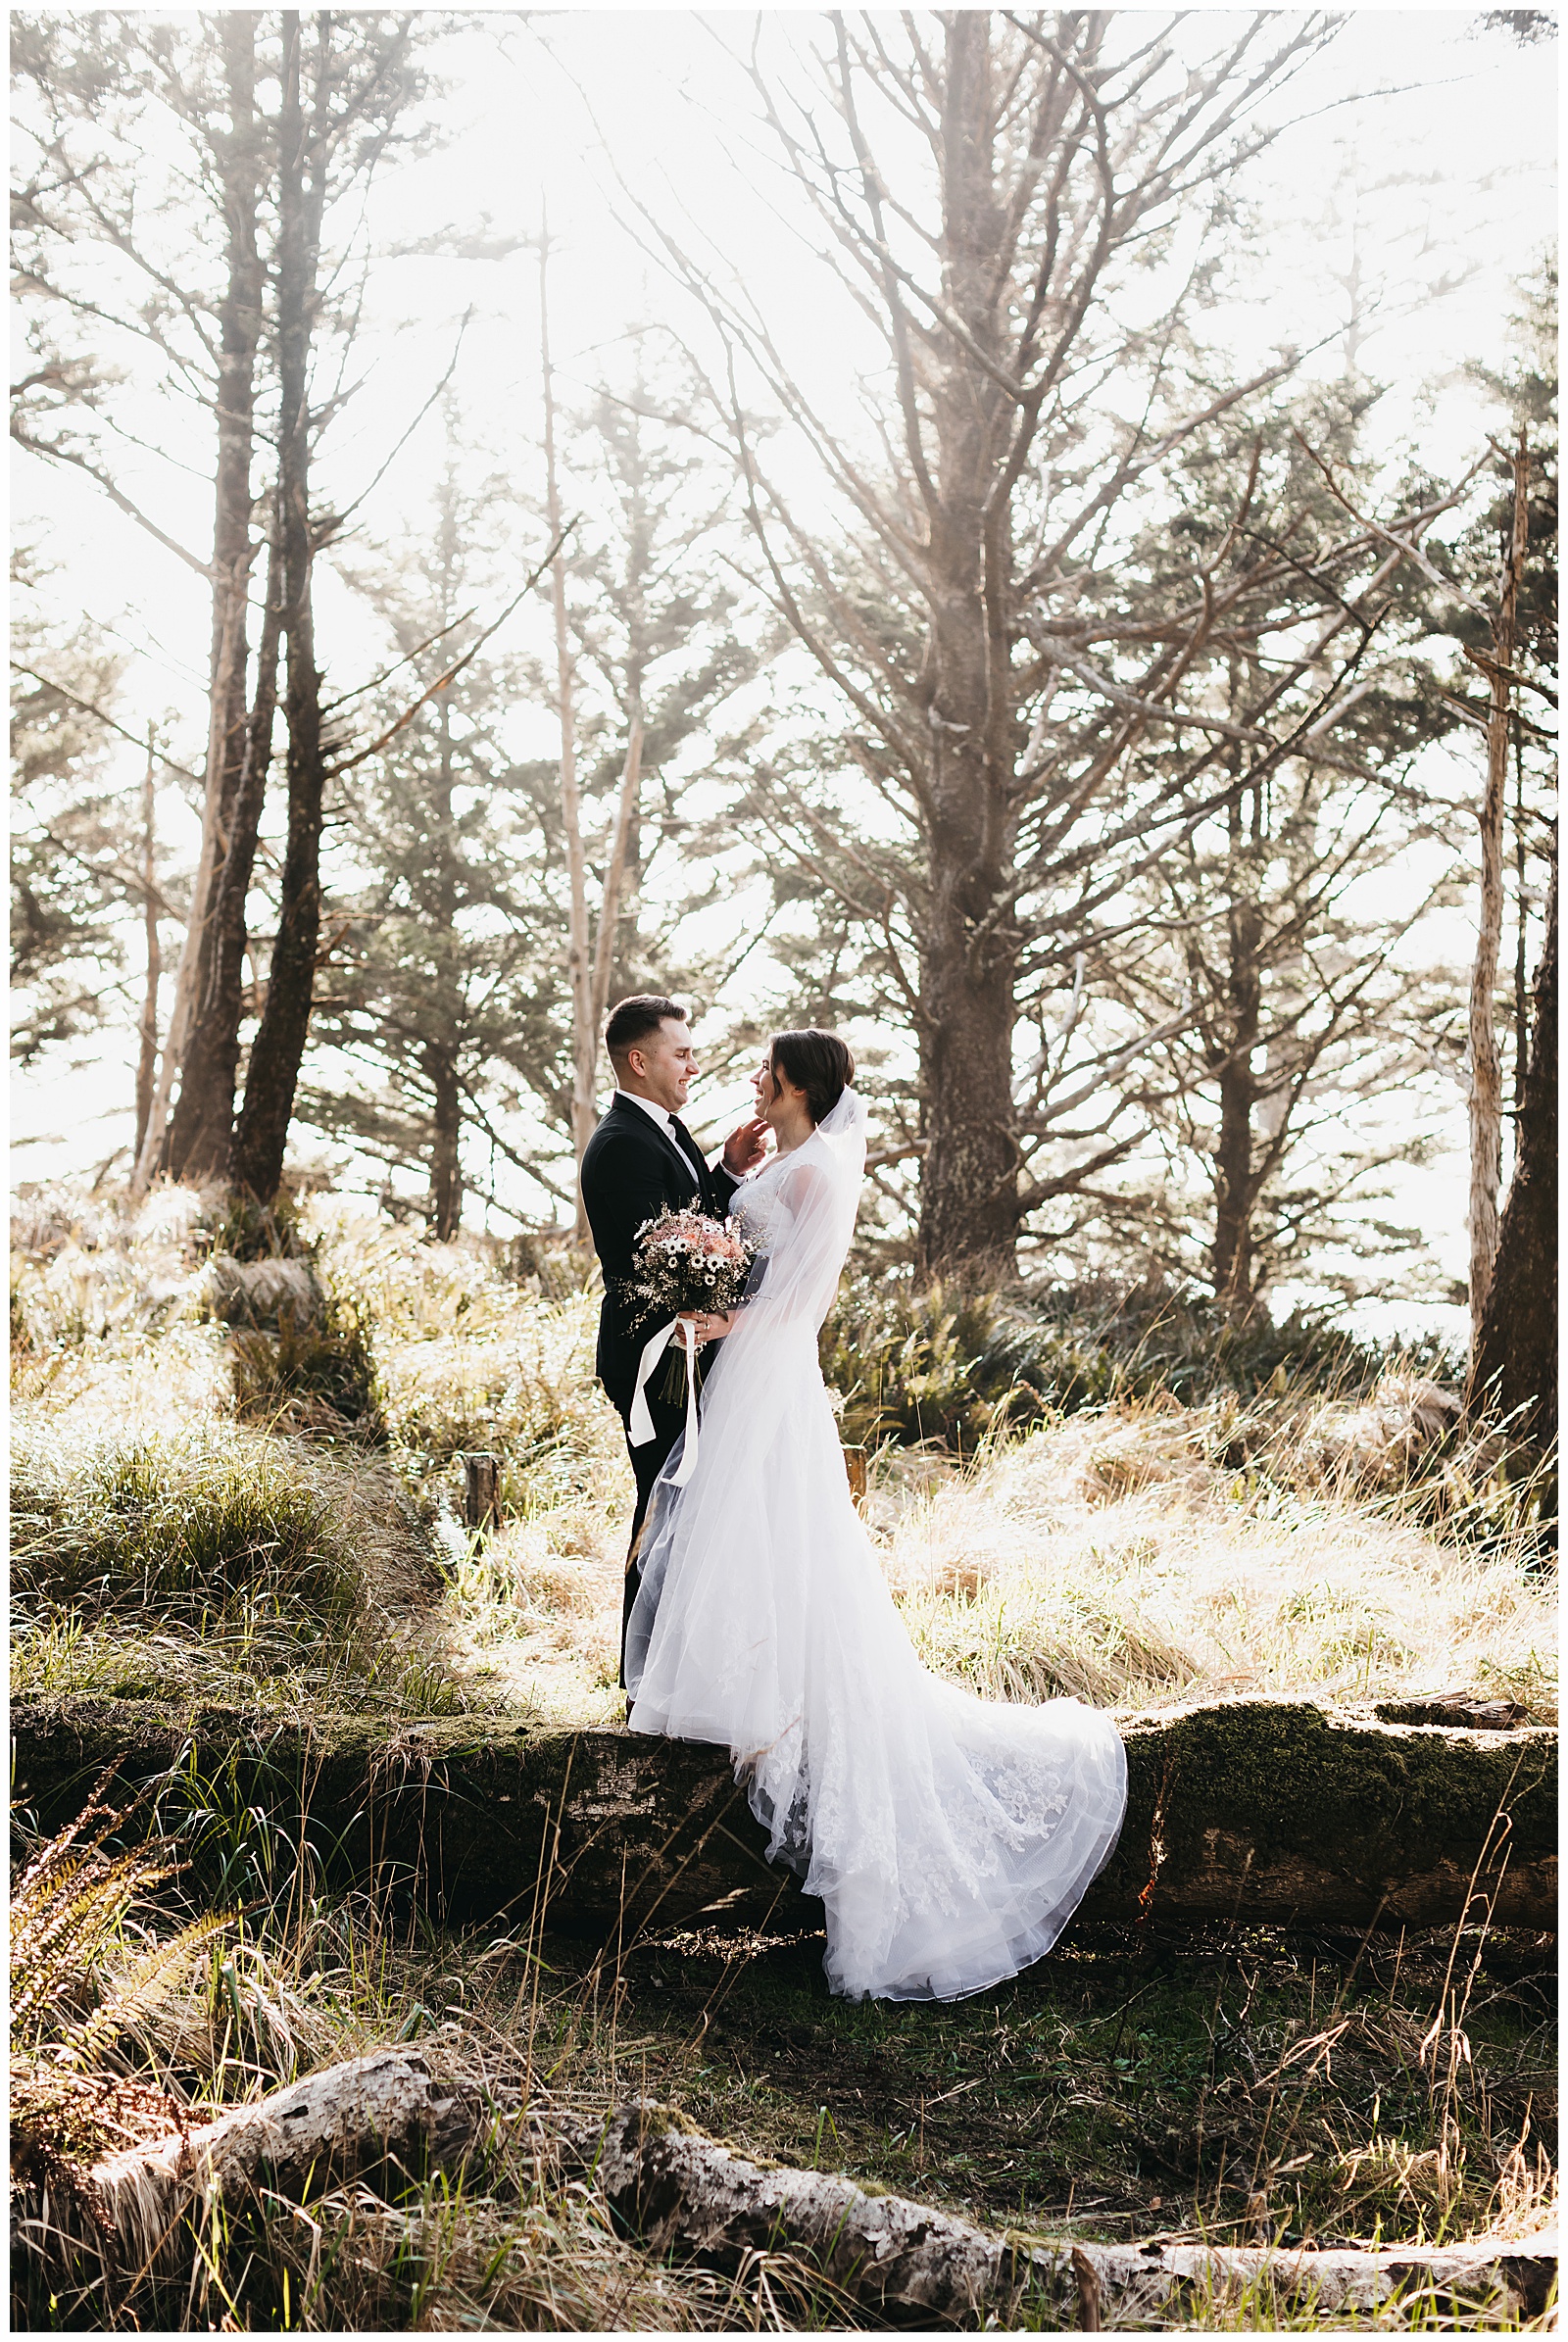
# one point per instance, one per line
(818, 1064)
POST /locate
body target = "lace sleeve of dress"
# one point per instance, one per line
(810, 1218)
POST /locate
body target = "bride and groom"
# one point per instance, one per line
(949, 1838)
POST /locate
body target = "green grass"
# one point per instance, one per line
(228, 1566)
(309, 1378)
(1117, 2090)
(212, 1526)
(135, 2025)
(949, 1364)
(1147, 1506)
(1209, 2085)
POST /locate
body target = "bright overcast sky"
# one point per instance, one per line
(1426, 146)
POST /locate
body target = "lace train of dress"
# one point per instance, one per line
(951, 1838)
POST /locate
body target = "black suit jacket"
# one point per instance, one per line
(630, 1173)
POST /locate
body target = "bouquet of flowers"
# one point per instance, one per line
(686, 1260)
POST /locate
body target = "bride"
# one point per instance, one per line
(950, 1838)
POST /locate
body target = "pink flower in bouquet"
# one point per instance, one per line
(686, 1260)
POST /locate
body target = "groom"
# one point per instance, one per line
(641, 1159)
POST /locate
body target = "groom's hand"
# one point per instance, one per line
(744, 1147)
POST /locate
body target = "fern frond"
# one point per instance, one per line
(138, 1989)
(63, 1919)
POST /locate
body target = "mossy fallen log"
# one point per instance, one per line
(677, 2190)
(1253, 1810)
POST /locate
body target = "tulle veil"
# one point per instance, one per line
(950, 1838)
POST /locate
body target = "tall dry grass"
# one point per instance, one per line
(128, 2027)
(1114, 1555)
(1355, 1544)
(1288, 1539)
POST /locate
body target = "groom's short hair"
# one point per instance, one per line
(632, 1020)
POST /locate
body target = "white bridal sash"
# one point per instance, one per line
(642, 1423)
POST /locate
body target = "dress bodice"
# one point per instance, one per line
(755, 1204)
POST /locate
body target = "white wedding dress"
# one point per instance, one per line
(950, 1838)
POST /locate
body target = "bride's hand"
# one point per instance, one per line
(711, 1324)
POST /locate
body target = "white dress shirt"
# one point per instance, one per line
(665, 1122)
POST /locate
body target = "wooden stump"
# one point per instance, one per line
(481, 1491)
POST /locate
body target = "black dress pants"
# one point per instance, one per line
(647, 1463)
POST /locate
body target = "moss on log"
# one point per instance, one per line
(1261, 1810)
(1278, 1809)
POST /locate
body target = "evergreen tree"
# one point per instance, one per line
(1036, 661)
(661, 645)
(189, 231)
(75, 858)
(442, 966)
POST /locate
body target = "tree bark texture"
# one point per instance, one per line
(968, 956)
(1486, 1068)
(156, 2199)
(618, 950)
(212, 1059)
(198, 1139)
(579, 960)
(607, 934)
(678, 2190)
(1514, 1365)
(1268, 1811)
(446, 1169)
(147, 1059)
(440, 1053)
(239, 169)
(262, 1133)
(1236, 1188)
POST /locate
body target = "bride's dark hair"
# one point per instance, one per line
(820, 1063)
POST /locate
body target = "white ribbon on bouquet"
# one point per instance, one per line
(642, 1423)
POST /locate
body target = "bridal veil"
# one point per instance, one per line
(950, 1838)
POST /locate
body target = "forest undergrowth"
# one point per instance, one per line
(238, 1461)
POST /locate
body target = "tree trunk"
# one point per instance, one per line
(147, 1062)
(279, 1045)
(1234, 1187)
(212, 1062)
(617, 947)
(608, 931)
(579, 967)
(626, 966)
(1486, 1069)
(446, 1171)
(1521, 944)
(167, 1145)
(1514, 1365)
(969, 1180)
(968, 971)
(676, 2189)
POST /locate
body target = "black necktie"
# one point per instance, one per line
(688, 1147)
